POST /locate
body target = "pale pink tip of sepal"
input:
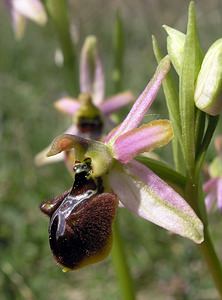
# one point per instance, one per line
(31, 9)
(148, 196)
(67, 105)
(91, 71)
(143, 103)
(116, 102)
(99, 83)
(145, 138)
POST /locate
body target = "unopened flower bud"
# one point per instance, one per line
(208, 92)
(175, 46)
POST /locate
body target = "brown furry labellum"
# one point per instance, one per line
(80, 229)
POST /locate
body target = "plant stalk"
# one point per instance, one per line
(211, 258)
(58, 12)
(121, 266)
(206, 248)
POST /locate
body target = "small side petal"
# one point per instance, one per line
(32, 9)
(148, 196)
(99, 82)
(67, 105)
(144, 101)
(219, 194)
(116, 102)
(67, 142)
(145, 138)
(42, 159)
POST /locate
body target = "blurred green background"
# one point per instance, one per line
(163, 266)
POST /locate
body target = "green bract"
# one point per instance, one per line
(208, 91)
(175, 46)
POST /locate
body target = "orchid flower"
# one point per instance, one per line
(90, 112)
(137, 187)
(213, 186)
(21, 10)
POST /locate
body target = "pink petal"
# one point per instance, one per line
(116, 102)
(148, 196)
(91, 71)
(209, 200)
(145, 138)
(144, 101)
(219, 194)
(210, 185)
(31, 9)
(99, 83)
(18, 21)
(67, 105)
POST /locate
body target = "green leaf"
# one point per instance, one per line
(175, 46)
(172, 101)
(164, 171)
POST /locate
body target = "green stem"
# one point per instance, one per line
(121, 266)
(58, 12)
(118, 50)
(118, 253)
(213, 263)
(194, 195)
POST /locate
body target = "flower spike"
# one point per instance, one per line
(137, 187)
